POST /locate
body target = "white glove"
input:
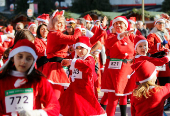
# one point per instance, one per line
(29, 113)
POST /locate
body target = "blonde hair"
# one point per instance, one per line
(144, 90)
(50, 25)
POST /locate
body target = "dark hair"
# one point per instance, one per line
(35, 75)
(21, 34)
(38, 30)
(82, 21)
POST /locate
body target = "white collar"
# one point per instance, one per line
(137, 56)
(17, 73)
(151, 87)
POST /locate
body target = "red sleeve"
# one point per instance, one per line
(153, 47)
(86, 65)
(98, 35)
(156, 61)
(48, 98)
(68, 39)
(2, 50)
(111, 40)
(40, 49)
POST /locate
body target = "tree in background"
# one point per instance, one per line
(44, 6)
(166, 6)
(80, 6)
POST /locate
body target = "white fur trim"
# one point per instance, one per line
(89, 33)
(4, 37)
(17, 73)
(78, 28)
(117, 94)
(158, 44)
(110, 28)
(73, 63)
(120, 19)
(32, 25)
(107, 90)
(118, 37)
(87, 21)
(102, 28)
(100, 115)
(39, 19)
(159, 20)
(91, 27)
(168, 57)
(131, 21)
(137, 56)
(149, 78)
(140, 42)
(54, 13)
(82, 45)
(62, 84)
(43, 113)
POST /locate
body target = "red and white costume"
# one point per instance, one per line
(82, 101)
(40, 96)
(154, 104)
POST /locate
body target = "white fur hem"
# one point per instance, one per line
(158, 44)
(62, 84)
(43, 113)
(117, 94)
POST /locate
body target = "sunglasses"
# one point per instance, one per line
(160, 23)
(69, 26)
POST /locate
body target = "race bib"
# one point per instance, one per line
(19, 99)
(66, 70)
(161, 68)
(76, 74)
(115, 64)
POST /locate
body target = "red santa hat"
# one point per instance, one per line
(31, 24)
(96, 21)
(138, 39)
(132, 20)
(144, 71)
(83, 28)
(71, 20)
(158, 20)
(23, 45)
(84, 42)
(56, 13)
(44, 17)
(123, 19)
(9, 29)
(87, 18)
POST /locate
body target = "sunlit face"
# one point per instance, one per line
(142, 48)
(88, 25)
(139, 25)
(59, 24)
(80, 51)
(132, 26)
(83, 33)
(160, 25)
(23, 61)
(33, 29)
(18, 27)
(43, 31)
(69, 28)
(120, 26)
(97, 23)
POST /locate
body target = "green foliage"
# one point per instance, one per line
(80, 6)
(166, 6)
(136, 11)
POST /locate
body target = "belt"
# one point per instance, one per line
(108, 57)
(41, 61)
(56, 59)
(123, 60)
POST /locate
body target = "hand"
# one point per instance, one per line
(29, 113)
(104, 22)
(126, 33)
(165, 16)
(66, 62)
(71, 49)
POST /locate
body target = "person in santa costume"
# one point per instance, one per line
(33, 28)
(57, 50)
(43, 19)
(121, 50)
(41, 44)
(148, 99)
(159, 44)
(82, 101)
(23, 88)
(132, 21)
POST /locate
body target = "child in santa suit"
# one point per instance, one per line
(33, 28)
(23, 88)
(82, 101)
(57, 50)
(121, 50)
(148, 99)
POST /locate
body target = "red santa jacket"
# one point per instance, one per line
(137, 32)
(40, 96)
(57, 43)
(94, 28)
(152, 106)
(154, 43)
(40, 46)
